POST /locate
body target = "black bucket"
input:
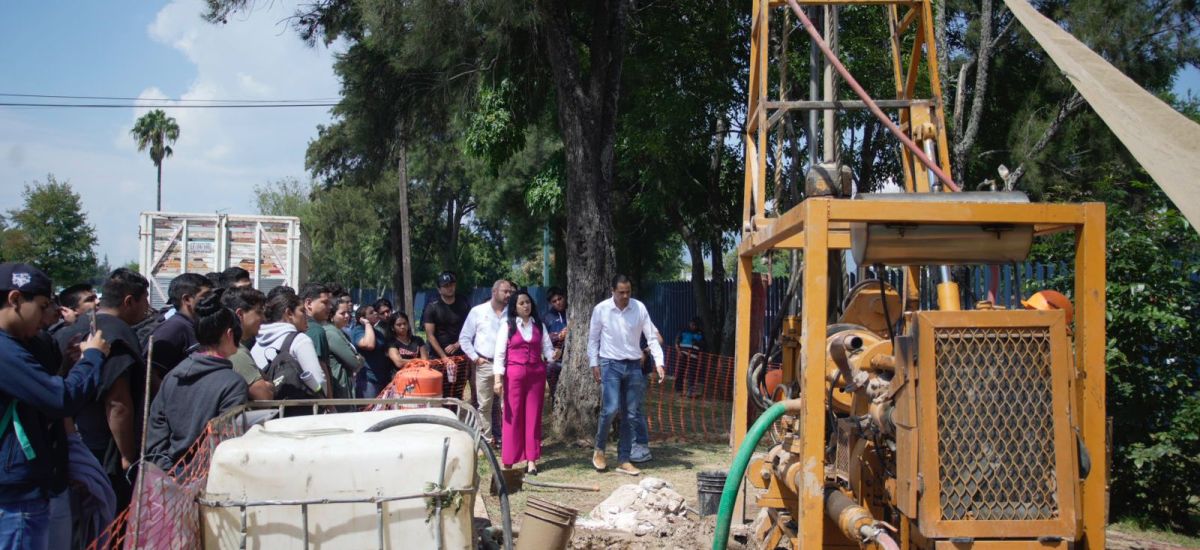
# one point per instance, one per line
(709, 486)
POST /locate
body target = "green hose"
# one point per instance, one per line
(738, 469)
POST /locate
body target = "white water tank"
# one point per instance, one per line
(332, 457)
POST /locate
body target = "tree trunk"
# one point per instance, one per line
(158, 201)
(720, 296)
(406, 292)
(700, 292)
(587, 118)
(983, 58)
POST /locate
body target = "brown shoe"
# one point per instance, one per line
(629, 469)
(598, 461)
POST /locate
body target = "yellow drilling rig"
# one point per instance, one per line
(949, 426)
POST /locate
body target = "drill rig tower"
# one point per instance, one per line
(901, 427)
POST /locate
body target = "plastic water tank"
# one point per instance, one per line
(331, 457)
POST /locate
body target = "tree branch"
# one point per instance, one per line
(1066, 108)
(982, 60)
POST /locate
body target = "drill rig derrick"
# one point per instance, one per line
(903, 427)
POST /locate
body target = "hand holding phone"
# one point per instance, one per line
(95, 341)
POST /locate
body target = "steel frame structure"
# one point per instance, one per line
(820, 225)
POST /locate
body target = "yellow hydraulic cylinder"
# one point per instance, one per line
(948, 297)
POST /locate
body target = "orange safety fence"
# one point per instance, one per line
(169, 515)
(696, 399)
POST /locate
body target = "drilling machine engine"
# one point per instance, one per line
(958, 431)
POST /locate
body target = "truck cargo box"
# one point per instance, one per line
(272, 248)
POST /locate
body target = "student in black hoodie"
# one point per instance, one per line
(112, 425)
(33, 402)
(200, 388)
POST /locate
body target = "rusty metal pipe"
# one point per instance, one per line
(854, 521)
(862, 94)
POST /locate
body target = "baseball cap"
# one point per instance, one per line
(447, 277)
(25, 278)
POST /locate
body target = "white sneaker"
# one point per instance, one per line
(640, 453)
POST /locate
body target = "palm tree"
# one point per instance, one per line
(156, 131)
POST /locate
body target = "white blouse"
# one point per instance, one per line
(526, 330)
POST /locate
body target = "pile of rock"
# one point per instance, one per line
(651, 506)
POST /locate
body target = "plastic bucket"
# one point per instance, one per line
(513, 480)
(709, 486)
(546, 525)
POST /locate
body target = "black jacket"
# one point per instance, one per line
(197, 390)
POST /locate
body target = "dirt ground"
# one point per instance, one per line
(677, 463)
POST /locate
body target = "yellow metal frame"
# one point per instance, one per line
(807, 228)
(819, 225)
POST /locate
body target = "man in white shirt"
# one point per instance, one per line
(477, 339)
(613, 352)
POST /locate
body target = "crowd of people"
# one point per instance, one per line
(81, 366)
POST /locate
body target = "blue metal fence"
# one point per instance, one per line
(673, 303)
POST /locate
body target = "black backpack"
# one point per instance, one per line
(146, 326)
(284, 372)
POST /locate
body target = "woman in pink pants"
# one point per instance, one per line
(523, 349)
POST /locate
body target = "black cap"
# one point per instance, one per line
(447, 277)
(25, 278)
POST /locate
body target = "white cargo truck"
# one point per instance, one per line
(272, 248)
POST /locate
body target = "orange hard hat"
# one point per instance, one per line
(1047, 300)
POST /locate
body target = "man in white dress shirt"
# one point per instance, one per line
(477, 340)
(613, 352)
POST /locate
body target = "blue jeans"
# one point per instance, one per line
(622, 388)
(59, 521)
(641, 430)
(25, 525)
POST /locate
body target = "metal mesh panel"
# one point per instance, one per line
(995, 424)
(845, 429)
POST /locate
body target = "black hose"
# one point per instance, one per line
(755, 381)
(502, 489)
(887, 317)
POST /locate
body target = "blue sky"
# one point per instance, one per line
(155, 50)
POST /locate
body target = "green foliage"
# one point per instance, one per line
(492, 131)
(156, 132)
(349, 241)
(545, 192)
(51, 231)
(1149, 40)
(440, 497)
(1153, 356)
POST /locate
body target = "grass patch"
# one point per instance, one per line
(1143, 531)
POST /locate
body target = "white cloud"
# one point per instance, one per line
(221, 154)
